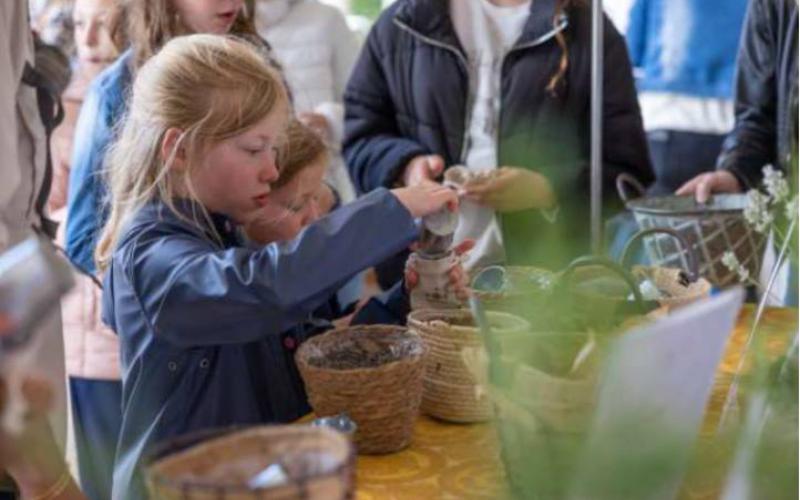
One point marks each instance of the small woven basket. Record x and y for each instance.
(711, 230)
(451, 391)
(319, 463)
(674, 293)
(372, 373)
(677, 287)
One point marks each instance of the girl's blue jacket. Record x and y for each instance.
(203, 324)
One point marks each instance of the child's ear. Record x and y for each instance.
(173, 149)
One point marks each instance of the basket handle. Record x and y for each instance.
(609, 264)
(691, 257)
(623, 181)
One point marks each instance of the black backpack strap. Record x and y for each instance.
(51, 112)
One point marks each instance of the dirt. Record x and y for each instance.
(362, 354)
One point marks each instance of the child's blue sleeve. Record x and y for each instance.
(86, 185)
(194, 295)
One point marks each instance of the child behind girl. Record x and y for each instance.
(192, 306)
(299, 196)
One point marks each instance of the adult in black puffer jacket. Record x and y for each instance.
(408, 96)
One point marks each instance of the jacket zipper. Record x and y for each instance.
(465, 64)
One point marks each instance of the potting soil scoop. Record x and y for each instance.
(433, 261)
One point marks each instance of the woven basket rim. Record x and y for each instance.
(512, 321)
(302, 359)
(159, 480)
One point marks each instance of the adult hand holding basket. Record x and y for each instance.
(710, 230)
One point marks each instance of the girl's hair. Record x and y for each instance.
(558, 78)
(149, 24)
(209, 87)
(301, 148)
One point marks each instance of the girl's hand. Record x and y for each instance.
(458, 277)
(426, 199)
(512, 189)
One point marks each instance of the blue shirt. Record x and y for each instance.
(686, 46)
(200, 321)
(102, 109)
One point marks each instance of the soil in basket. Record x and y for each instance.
(363, 354)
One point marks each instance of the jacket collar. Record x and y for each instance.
(188, 211)
(431, 19)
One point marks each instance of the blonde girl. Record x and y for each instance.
(198, 314)
(147, 25)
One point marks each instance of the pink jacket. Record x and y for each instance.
(91, 348)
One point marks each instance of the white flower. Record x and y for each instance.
(730, 261)
(791, 209)
(776, 184)
(757, 212)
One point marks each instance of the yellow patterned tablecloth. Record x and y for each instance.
(463, 461)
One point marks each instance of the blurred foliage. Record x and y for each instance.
(367, 8)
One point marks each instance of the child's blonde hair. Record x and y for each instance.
(210, 87)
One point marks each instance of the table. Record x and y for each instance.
(463, 461)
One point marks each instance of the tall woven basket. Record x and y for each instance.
(319, 463)
(372, 373)
(711, 229)
(451, 391)
(542, 422)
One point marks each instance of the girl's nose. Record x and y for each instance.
(269, 171)
(92, 33)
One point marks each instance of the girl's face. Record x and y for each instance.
(289, 208)
(233, 177)
(208, 16)
(92, 35)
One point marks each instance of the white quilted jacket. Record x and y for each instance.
(317, 51)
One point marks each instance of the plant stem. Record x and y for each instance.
(762, 304)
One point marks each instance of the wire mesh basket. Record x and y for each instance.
(711, 229)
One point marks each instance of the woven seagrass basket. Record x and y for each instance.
(677, 287)
(542, 421)
(372, 373)
(451, 391)
(218, 465)
(711, 229)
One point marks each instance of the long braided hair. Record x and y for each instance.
(557, 81)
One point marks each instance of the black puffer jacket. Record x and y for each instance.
(409, 95)
(766, 93)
